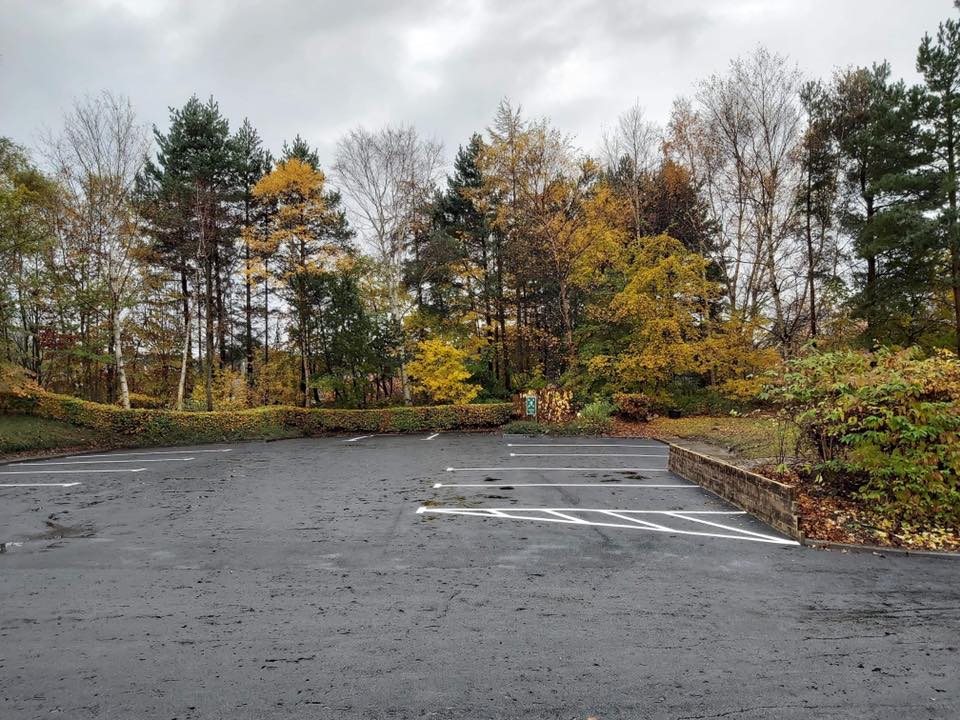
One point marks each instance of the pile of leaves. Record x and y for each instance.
(824, 516)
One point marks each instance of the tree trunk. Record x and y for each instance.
(266, 314)
(405, 382)
(185, 291)
(121, 372)
(221, 310)
(567, 321)
(811, 259)
(184, 358)
(208, 374)
(248, 313)
(304, 366)
(112, 367)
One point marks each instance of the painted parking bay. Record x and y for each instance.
(622, 486)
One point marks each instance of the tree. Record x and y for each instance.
(26, 229)
(388, 176)
(939, 63)
(301, 243)
(631, 152)
(753, 120)
(817, 193)
(438, 369)
(659, 307)
(886, 194)
(250, 163)
(96, 160)
(186, 189)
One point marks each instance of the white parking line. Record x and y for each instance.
(96, 462)
(150, 452)
(660, 455)
(74, 472)
(570, 516)
(596, 485)
(683, 516)
(362, 437)
(3, 485)
(557, 469)
(433, 436)
(599, 510)
(648, 445)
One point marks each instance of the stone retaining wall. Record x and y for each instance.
(772, 502)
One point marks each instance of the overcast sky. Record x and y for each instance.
(319, 68)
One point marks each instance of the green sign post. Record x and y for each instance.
(530, 402)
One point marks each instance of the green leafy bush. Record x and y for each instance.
(885, 425)
(594, 419)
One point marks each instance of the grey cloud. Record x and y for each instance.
(319, 68)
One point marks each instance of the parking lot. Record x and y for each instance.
(444, 576)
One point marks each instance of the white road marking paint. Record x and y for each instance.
(559, 469)
(683, 516)
(562, 515)
(602, 510)
(649, 445)
(362, 437)
(596, 485)
(96, 462)
(73, 472)
(151, 452)
(642, 523)
(3, 485)
(587, 455)
(433, 436)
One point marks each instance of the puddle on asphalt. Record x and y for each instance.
(56, 531)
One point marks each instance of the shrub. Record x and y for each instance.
(594, 419)
(634, 406)
(525, 427)
(886, 423)
(146, 402)
(167, 427)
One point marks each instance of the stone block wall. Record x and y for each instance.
(772, 502)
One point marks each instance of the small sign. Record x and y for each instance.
(530, 402)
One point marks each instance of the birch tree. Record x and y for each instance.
(96, 159)
(387, 177)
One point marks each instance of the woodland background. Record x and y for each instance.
(190, 267)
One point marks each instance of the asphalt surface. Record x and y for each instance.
(321, 578)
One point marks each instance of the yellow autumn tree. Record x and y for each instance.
(661, 307)
(298, 243)
(439, 370)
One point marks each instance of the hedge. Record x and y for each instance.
(169, 427)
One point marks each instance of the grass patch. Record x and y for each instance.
(749, 438)
(20, 433)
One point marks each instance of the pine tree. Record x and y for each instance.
(250, 163)
(187, 187)
(886, 196)
(938, 60)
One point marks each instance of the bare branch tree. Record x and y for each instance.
(96, 158)
(633, 149)
(387, 176)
